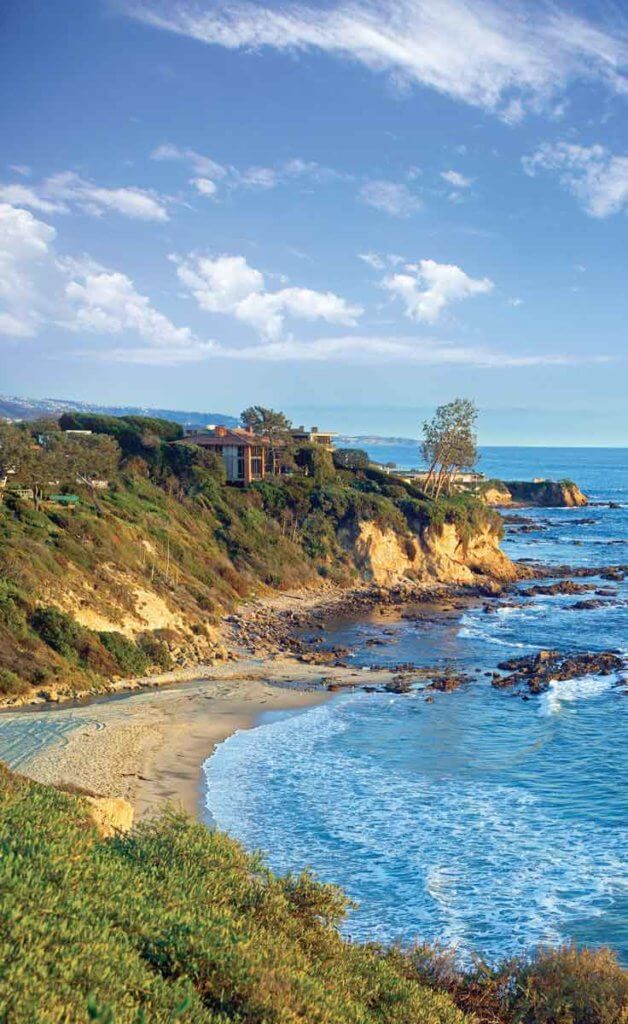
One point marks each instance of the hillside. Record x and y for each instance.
(14, 408)
(174, 921)
(137, 575)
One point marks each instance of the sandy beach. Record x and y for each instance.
(149, 746)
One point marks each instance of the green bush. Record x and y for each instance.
(156, 651)
(11, 685)
(131, 659)
(57, 629)
(351, 458)
(176, 919)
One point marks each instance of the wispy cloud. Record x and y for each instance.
(390, 197)
(350, 349)
(210, 174)
(504, 57)
(66, 191)
(597, 177)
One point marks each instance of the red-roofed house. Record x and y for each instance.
(247, 457)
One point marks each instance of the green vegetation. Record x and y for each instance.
(449, 444)
(177, 922)
(169, 527)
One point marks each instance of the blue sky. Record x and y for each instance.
(349, 210)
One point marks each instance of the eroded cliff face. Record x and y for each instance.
(438, 554)
(544, 493)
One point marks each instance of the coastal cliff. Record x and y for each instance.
(435, 553)
(136, 578)
(542, 493)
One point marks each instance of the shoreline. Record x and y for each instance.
(149, 747)
(146, 740)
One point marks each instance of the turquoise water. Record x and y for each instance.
(480, 820)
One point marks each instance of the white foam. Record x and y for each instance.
(568, 691)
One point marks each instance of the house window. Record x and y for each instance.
(257, 462)
(233, 458)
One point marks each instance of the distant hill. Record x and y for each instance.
(31, 408)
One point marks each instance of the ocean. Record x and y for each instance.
(480, 820)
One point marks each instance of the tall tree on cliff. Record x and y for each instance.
(449, 444)
(271, 424)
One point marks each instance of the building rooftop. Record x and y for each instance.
(220, 436)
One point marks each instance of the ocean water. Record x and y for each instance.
(480, 820)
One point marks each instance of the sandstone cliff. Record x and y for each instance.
(436, 553)
(544, 493)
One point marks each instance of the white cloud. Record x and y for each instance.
(39, 288)
(515, 302)
(107, 302)
(427, 288)
(203, 165)
(498, 56)
(209, 171)
(379, 261)
(392, 198)
(22, 195)
(353, 349)
(456, 179)
(25, 255)
(227, 284)
(598, 178)
(67, 190)
(205, 186)
(372, 259)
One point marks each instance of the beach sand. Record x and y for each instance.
(149, 747)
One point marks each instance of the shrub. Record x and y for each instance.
(57, 629)
(155, 650)
(129, 658)
(315, 461)
(176, 922)
(566, 985)
(11, 685)
(351, 458)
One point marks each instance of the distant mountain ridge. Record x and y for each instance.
(14, 408)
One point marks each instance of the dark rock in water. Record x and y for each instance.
(614, 504)
(398, 684)
(585, 606)
(538, 670)
(562, 587)
(447, 683)
(615, 575)
(606, 592)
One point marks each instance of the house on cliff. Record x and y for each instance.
(247, 456)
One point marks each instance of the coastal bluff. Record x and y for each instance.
(443, 554)
(541, 493)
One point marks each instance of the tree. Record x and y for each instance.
(13, 445)
(275, 426)
(351, 458)
(449, 443)
(86, 458)
(315, 462)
